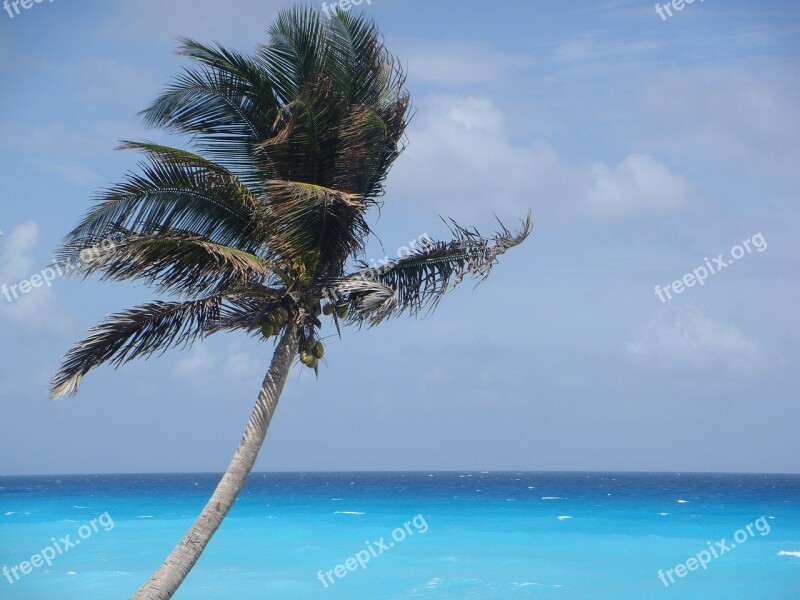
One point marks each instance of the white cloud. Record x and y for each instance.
(638, 184)
(685, 338)
(37, 309)
(461, 158)
(16, 256)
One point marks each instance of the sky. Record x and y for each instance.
(649, 150)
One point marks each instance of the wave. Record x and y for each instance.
(562, 517)
(348, 512)
(552, 498)
(789, 553)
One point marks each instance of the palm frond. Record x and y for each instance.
(371, 130)
(205, 200)
(141, 331)
(174, 262)
(421, 279)
(304, 217)
(369, 143)
(299, 151)
(370, 301)
(297, 51)
(248, 307)
(365, 72)
(171, 155)
(227, 104)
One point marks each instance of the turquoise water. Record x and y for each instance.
(445, 535)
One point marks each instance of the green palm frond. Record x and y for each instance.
(171, 155)
(298, 49)
(421, 279)
(141, 331)
(209, 202)
(173, 262)
(227, 104)
(305, 217)
(366, 71)
(300, 149)
(247, 309)
(371, 132)
(369, 142)
(344, 103)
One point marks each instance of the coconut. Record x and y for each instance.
(328, 309)
(341, 311)
(313, 364)
(318, 350)
(267, 329)
(305, 280)
(306, 358)
(283, 314)
(308, 345)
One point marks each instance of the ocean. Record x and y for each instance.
(495, 535)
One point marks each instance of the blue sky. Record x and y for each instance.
(643, 147)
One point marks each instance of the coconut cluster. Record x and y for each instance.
(274, 322)
(311, 353)
(311, 349)
(340, 309)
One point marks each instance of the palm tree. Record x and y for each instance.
(261, 227)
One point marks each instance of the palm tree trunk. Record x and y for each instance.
(165, 582)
